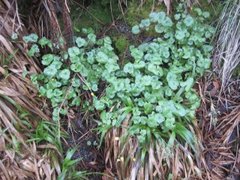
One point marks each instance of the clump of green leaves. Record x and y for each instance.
(67, 74)
(121, 44)
(69, 168)
(156, 86)
(47, 132)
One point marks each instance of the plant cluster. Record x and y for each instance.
(67, 74)
(46, 132)
(154, 89)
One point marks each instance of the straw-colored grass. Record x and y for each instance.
(227, 48)
(123, 157)
(20, 107)
(220, 123)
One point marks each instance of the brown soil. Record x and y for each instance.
(84, 138)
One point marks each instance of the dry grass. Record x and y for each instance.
(227, 48)
(220, 123)
(44, 20)
(19, 159)
(220, 110)
(123, 158)
(220, 115)
(13, 83)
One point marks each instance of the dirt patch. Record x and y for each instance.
(84, 138)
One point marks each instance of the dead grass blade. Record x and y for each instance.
(220, 140)
(124, 159)
(14, 84)
(19, 159)
(227, 46)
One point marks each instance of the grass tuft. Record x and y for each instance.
(227, 48)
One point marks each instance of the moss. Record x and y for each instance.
(137, 11)
(121, 43)
(214, 8)
(94, 16)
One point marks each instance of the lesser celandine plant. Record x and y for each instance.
(156, 85)
(154, 88)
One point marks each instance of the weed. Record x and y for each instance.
(68, 168)
(155, 87)
(46, 132)
(153, 91)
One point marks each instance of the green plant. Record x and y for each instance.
(154, 89)
(68, 168)
(46, 132)
(67, 77)
(68, 74)
(156, 86)
(121, 44)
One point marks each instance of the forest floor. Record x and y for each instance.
(217, 124)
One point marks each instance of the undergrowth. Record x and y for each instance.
(46, 132)
(153, 89)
